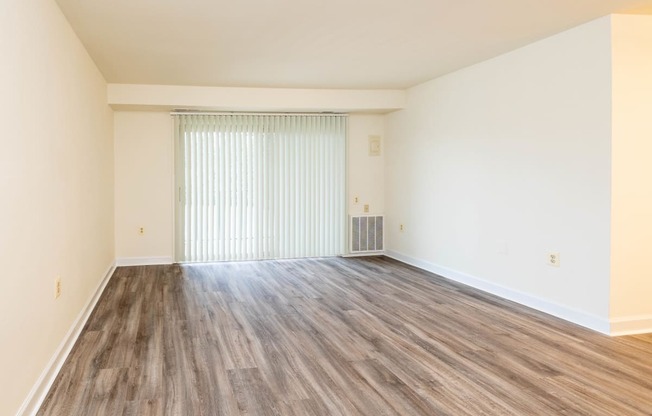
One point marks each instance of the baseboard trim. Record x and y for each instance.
(577, 317)
(143, 261)
(631, 325)
(42, 386)
(365, 254)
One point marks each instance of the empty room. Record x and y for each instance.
(431, 207)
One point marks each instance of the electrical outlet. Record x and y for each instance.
(553, 259)
(141, 230)
(57, 287)
(401, 227)
(366, 208)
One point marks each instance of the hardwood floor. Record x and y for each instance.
(367, 336)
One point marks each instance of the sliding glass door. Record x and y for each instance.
(254, 186)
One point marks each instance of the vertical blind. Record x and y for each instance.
(254, 186)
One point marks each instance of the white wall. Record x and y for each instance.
(144, 181)
(366, 179)
(492, 166)
(631, 227)
(56, 181)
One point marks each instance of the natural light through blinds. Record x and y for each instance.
(257, 186)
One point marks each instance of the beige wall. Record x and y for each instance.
(144, 181)
(366, 180)
(132, 97)
(631, 216)
(493, 166)
(56, 181)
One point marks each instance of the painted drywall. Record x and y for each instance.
(144, 182)
(631, 215)
(144, 173)
(366, 180)
(167, 97)
(56, 181)
(493, 166)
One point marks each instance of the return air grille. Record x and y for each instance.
(366, 233)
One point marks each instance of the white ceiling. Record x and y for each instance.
(313, 44)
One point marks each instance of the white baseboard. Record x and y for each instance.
(36, 396)
(365, 254)
(569, 314)
(142, 261)
(631, 325)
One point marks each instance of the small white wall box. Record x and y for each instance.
(374, 145)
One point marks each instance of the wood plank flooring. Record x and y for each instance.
(366, 336)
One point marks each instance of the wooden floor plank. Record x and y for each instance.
(336, 336)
